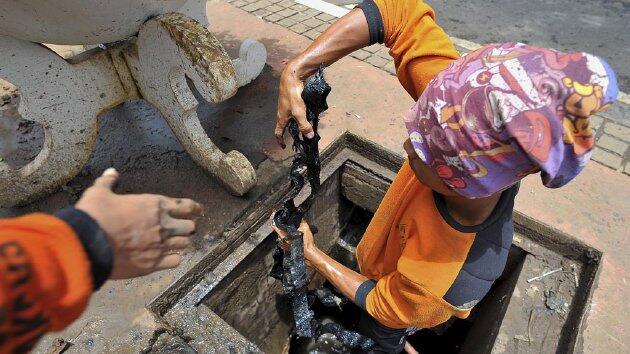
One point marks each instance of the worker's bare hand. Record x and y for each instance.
(285, 242)
(290, 103)
(147, 232)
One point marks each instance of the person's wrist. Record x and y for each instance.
(311, 252)
(299, 68)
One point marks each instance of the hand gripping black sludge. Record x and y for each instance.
(293, 269)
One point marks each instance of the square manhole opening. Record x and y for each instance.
(538, 305)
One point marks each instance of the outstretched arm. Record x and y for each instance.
(51, 264)
(343, 37)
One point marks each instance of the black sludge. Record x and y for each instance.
(293, 269)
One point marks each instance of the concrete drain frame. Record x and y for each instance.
(227, 303)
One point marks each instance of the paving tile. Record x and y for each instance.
(239, 3)
(326, 17)
(596, 122)
(273, 18)
(312, 22)
(390, 67)
(324, 26)
(612, 144)
(361, 54)
(261, 13)
(312, 12)
(626, 168)
(275, 8)
(617, 130)
(299, 17)
(299, 28)
(263, 3)
(377, 61)
(286, 3)
(312, 34)
(252, 7)
(287, 22)
(373, 48)
(384, 53)
(606, 158)
(287, 12)
(299, 7)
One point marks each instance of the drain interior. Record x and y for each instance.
(235, 294)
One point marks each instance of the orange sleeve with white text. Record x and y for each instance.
(45, 279)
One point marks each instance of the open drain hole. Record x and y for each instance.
(237, 295)
(21, 140)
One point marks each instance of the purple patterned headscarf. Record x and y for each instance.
(508, 110)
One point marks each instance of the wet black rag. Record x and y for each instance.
(289, 266)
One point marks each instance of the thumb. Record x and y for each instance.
(107, 179)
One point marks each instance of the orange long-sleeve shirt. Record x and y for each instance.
(425, 267)
(420, 48)
(47, 274)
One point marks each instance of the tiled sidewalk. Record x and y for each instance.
(612, 128)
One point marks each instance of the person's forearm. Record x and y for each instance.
(346, 35)
(344, 279)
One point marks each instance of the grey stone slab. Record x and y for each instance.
(326, 17)
(299, 28)
(618, 112)
(312, 22)
(612, 144)
(377, 61)
(361, 54)
(312, 34)
(273, 18)
(606, 158)
(617, 130)
(287, 22)
(287, 12)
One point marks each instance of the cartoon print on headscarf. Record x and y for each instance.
(584, 100)
(508, 110)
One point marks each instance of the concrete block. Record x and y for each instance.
(275, 8)
(173, 48)
(377, 61)
(596, 122)
(287, 12)
(617, 130)
(612, 144)
(300, 17)
(361, 54)
(390, 67)
(326, 17)
(373, 48)
(81, 92)
(606, 158)
(287, 22)
(312, 34)
(299, 7)
(299, 28)
(312, 22)
(273, 18)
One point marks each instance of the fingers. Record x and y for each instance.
(177, 243)
(279, 132)
(176, 227)
(107, 179)
(169, 261)
(182, 208)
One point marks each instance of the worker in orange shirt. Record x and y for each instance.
(51, 264)
(480, 123)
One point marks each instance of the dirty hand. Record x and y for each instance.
(290, 103)
(285, 242)
(146, 231)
